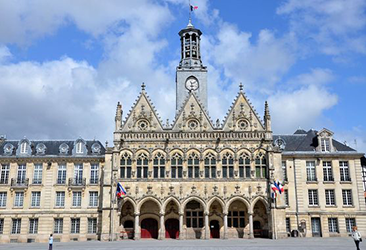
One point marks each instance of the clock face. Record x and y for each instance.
(192, 83)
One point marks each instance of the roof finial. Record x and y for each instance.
(241, 87)
(143, 86)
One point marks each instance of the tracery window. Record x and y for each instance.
(142, 166)
(244, 166)
(176, 166)
(210, 166)
(261, 166)
(227, 166)
(159, 166)
(126, 166)
(193, 166)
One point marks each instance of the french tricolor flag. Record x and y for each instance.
(193, 7)
(120, 191)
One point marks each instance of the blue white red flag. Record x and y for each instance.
(120, 191)
(277, 187)
(193, 7)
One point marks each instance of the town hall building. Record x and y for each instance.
(191, 179)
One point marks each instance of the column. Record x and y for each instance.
(251, 231)
(137, 226)
(162, 227)
(207, 228)
(225, 226)
(181, 226)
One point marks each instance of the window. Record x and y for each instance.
(350, 223)
(344, 171)
(3, 197)
(1, 226)
(244, 166)
(310, 171)
(37, 174)
(33, 226)
(19, 198)
(327, 171)
(313, 197)
(36, 199)
(78, 174)
(75, 225)
(286, 197)
(21, 174)
(210, 166)
(79, 148)
(193, 166)
(176, 166)
(288, 225)
(142, 166)
(284, 171)
(4, 174)
(333, 225)
(325, 144)
(329, 197)
(60, 199)
(227, 166)
(76, 199)
(364, 177)
(93, 199)
(94, 173)
(194, 219)
(92, 225)
(260, 166)
(61, 174)
(126, 165)
(347, 197)
(236, 219)
(159, 166)
(58, 226)
(24, 148)
(16, 225)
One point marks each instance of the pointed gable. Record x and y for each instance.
(242, 116)
(192, 117)
(142, 117)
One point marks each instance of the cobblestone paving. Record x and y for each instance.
(255, 244)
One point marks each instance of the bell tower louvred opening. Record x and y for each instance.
(191, 75)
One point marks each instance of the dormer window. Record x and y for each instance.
(24, 148)
(79, 148)
(325, 144)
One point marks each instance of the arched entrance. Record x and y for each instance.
(260, 220)
(194, 220)
(172, 229)
(126, 228)
(215, 229)
(149, 229)
(238, 220)
(216, 219)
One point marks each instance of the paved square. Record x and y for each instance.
(256, 244)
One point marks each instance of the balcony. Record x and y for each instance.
(19, 183)
(77, 182)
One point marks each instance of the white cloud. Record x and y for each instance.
(5, 54)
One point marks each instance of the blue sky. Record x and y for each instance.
(64, 65)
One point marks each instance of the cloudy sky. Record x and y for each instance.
(64, 65)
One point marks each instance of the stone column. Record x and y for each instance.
(207, 227)
(162, 226)
(137, 226)
(251, 231)
(225, 226)
(181, 226)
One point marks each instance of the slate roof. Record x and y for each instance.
(52, 147)
(307, 141)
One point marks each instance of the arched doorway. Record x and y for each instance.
(149, 229)
(216, 221)
(126, 223)
(193, 213)
(215, 229)
(128, 226)
(260, 220)
(237, 220)
(172, 229)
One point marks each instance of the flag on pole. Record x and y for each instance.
(277, 187)
(120, 191)
(193, 7)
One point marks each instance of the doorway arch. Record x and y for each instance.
(149, 228)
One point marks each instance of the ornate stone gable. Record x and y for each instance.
(192, 117)
(143, 116)
(242, 116)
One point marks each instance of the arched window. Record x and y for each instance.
(244, 166)
(142, 166)
(260, 166)
(126, 166)
(193, 166)
(210, 166)
(176, 166)
(159, 166)
(227, 166)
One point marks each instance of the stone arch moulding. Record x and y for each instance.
(238, 198)
(168, 200)
(263, 200)
(212, 200)
(193, 198)
(148, 198)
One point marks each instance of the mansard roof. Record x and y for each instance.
(307, 141)
(52, 147)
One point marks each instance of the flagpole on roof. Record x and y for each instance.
(190, 11)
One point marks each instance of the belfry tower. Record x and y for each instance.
(191, 75)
